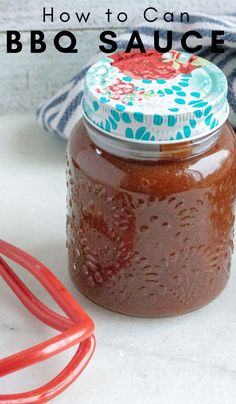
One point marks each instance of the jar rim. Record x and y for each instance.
(154, 142)
(149, 151)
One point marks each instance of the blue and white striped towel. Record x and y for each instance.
(59, 114)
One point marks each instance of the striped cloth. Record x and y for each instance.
(59, 114)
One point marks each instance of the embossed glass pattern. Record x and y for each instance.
(151, 238)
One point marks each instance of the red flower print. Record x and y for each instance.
(121, 88)
(151, 65)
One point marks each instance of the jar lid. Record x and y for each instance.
(155, 97)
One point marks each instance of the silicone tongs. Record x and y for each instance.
(76, 328)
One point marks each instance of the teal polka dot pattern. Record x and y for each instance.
(198, 113)
(195, 94)
(95, 106)
(107, 126)
(200, 104)
(127, 79)
(140, 134)
(170, 106)
(138, 116)
(187, 131)
(161, 93)
(120, 107)
(192, 123)
(207, 111)
(174, 109)
(179, 101)
(172, 120)
(183, 84)
(176, 88)
(179, 136)
(158, 120)
(125, 117)
(115, 115)
(104, 100)
(181, 93)
(114, 124)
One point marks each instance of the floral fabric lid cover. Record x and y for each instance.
(155, 97)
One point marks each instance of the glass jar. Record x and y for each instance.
(150, 221)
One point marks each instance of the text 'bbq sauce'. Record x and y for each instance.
(152, 184)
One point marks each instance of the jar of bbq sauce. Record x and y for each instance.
(152, 184)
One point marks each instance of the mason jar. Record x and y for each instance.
(152, 184)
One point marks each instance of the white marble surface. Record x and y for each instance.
(185, 360)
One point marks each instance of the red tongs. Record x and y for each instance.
(75, 328)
